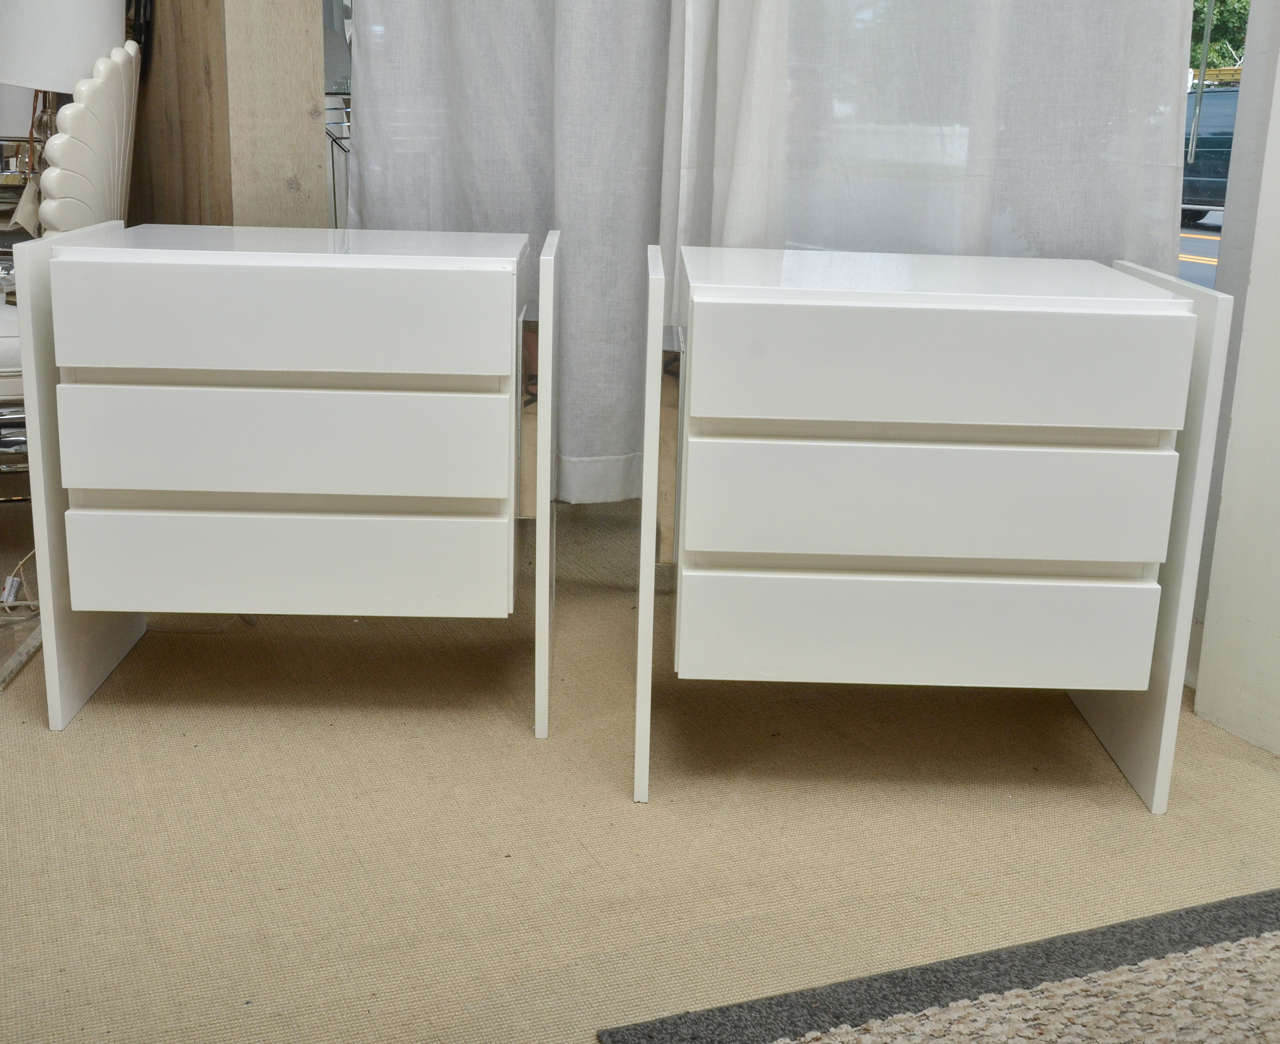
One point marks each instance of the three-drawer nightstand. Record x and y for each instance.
(933, 470)
(276, 421)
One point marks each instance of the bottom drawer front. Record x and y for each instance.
(224, 562)
(916, 630)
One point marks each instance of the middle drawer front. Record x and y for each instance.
(285, 440)
(288, 562)
(794, 496)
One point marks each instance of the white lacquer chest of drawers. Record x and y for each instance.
(932, 470)
(274, 421)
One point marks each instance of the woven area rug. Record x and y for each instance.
(1207, 973)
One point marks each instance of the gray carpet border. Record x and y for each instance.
(914, 989)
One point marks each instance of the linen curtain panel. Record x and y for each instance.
(942, 126)
(519, 116)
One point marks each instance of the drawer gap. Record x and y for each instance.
(284, 503)
(331, 380)
(979, 568)
(951, 434)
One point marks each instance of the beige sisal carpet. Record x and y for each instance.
(336, 830)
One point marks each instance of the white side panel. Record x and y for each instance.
(648, 521)
(80, 649)
(545, 550)
(1139, 730)
(372, 565)
(939, 500)
(940, 365)
(279, 440)
(882, 629)
(317, 317)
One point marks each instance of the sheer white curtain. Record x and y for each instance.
(522, 115)
(941, 126)
(958, 126)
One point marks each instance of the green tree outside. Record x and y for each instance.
(1227, 43)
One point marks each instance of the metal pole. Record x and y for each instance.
(1204, 65)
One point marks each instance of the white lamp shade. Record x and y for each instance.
(51, 45)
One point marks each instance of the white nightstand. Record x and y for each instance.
(275, 421)
(932, 470)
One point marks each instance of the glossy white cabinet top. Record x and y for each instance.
(731, 273)
(211, 244)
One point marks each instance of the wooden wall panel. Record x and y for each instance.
(275, 82)
(231, 116)
(182, 154)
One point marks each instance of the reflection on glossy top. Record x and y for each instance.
(480, 246)
(788, 273)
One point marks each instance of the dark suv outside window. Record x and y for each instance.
(1204, 182)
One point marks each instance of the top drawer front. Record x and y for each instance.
(834, 362)
(283, 317)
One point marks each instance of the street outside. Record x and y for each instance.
(1198, 250)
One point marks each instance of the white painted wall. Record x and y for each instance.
(1238, 685)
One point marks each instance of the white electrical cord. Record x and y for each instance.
(22, 586)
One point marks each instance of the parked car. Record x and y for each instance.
(1204, 182)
